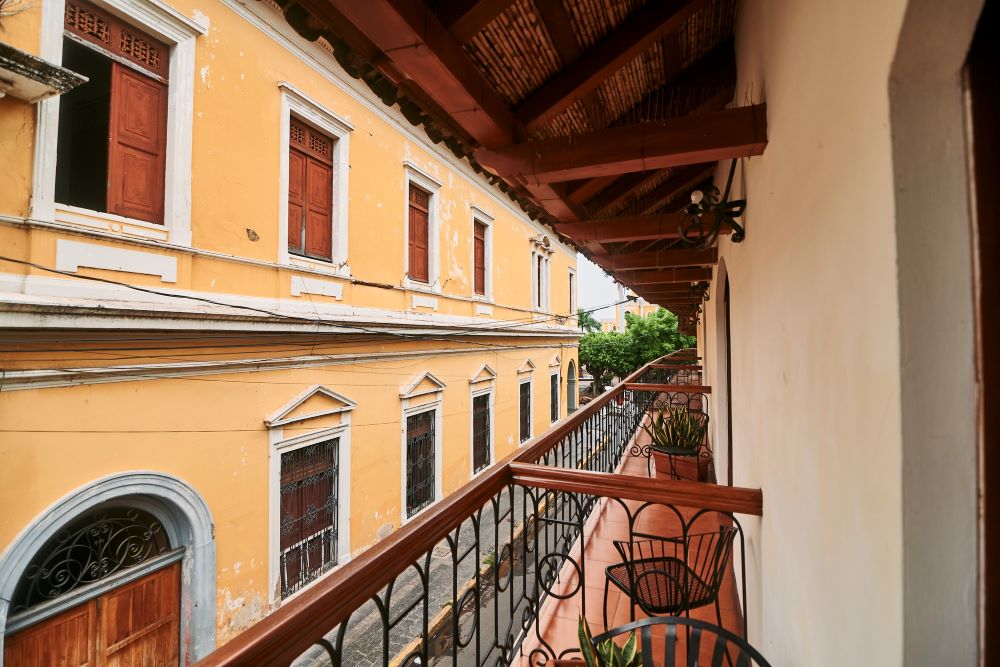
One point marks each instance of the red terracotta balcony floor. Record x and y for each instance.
(558, 621)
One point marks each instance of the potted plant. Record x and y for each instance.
(676, 436)
(607, 653)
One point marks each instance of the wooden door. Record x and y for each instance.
(135, 624)
(137, 146)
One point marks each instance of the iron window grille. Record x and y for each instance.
(420, 463)
(554, 397)
(309, 504)
(480, 432)
(525, 410)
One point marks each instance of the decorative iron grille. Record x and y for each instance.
(554, 397)
(419, 461)
(87, 550)
(309, 506)
(480, 432)
(525, 414)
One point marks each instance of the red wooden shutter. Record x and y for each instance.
(479, 253)
(419, 233)
(137, 147)
(296, 200)
(310, 192)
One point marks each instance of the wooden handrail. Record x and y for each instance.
(677, 367)
(735, 499)
(290, 630)
(668, 388)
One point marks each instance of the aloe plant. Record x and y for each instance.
(676, 429)
(607, 653)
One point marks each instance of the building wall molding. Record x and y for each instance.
(39, 301)
(71, 255)
(187, 520)
(68, 377)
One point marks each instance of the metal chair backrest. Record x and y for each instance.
(704, 554)
(704, 644)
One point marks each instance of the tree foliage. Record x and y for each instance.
(609, 354)
(587, 321)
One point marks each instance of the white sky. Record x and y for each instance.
(596, 288)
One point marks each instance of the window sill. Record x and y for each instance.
(417, 286)
(333, 269)
(116, 224)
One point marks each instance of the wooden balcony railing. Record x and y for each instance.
(464, 582)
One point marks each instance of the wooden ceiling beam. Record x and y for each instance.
(635, 35)
(687, 140)
(662, 277)
(626, 228)
(421, 49)
(589, 188)
(466, 18)
(664, 259)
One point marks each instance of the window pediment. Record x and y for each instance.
(421, 386)
(484, 374)
(317, 401)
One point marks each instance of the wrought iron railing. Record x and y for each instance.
(464, 582)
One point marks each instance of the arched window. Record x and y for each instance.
(571, 387)
(94, 546)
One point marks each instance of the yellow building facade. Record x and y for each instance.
(191, 366)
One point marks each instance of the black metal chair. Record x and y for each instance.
(697, 646)
(671, 575)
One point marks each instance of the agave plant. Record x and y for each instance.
(607, 653)
(676, 430)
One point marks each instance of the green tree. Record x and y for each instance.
(613, 353)
(606, 354)
(587, 321)
(654, 335)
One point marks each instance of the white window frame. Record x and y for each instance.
(483, 382)
(484, 218)
(573, 287)
(409, 411)
(279, 446)
(177, 31)
(295, 103)
(425, 182)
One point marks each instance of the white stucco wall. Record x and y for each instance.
(852, 367)
(816, 413)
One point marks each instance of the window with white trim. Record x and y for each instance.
(106, 148)
(541, 254)
(314, 182)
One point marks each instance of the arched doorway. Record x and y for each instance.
(571, 392)
(120, 570)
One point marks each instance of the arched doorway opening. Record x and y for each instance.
(118, 570)
(571, 391)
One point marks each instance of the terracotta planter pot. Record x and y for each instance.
(691, 468)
